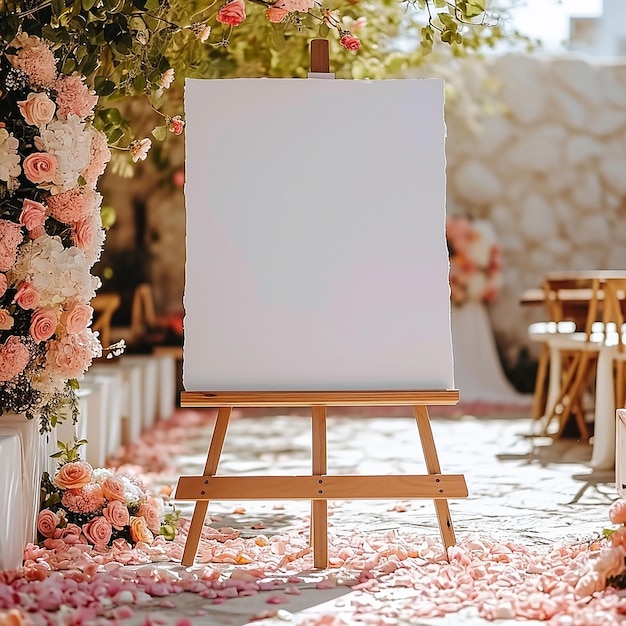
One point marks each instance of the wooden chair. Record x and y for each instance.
(559, 321)
(104, 306)
(575, 354)
(614, 299)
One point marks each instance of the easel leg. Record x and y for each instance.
(319, 508)
(433, 467)
(210, 469)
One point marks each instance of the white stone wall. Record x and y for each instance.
(548, 170)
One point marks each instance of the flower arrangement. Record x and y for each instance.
(83, 505)
(50, 231)
(608, 569)
(475, 261)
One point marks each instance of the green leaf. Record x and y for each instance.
(90, 65)
(87, 4)
(115, 135)
(114, 116)
(139, 83)
(448, 21)
(104, 87)
(324, 30)
(160, 133)
(58, 7)
(69, 66)
(112, 31)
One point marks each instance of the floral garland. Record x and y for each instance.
(475, 261)
(50, 232)
(100, 507)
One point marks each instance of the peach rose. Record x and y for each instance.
(232, 13)
(151, 514)
(73, 475)
(47, 522)
(43, 324)
(98, 531)
(617, 512)
(276, 14)
(139, 530)
(37, 232)
(6, 321)
(40, 167)
(116, 513)
(3, 284)
(37, 109)
(71, 534)
(27, 296)
(12, 617)
(33, 214)
(77, 318)
(350, 42)
(113, 489)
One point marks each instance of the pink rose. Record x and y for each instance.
(3, 284)
(27, 296)
(73, 475)
(77, 318)
(176, 125)
(113, 489)
(43, 324)
(40, 167)
(232, 13)
(37, 109)
(617, 512)
(350, 42)
(116, 513)
(98, 531)
(151, 514)
(82, 233)
(139, 530)
(276, 14)
(33, 214)
(47, 522)
(6, 320)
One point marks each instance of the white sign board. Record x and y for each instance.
(316, 254)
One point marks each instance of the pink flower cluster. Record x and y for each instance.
(115, 505)
(475, 263)
(51, 234)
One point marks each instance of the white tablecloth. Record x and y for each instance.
(12, 504)
(477, 368)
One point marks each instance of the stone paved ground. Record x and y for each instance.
(534, 492)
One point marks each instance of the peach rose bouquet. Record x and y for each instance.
(51, 233)
(475, 265)
(99, 506)
(607, 567)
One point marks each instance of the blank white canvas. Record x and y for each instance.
(316, 255)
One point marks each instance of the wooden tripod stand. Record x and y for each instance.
(319, 487)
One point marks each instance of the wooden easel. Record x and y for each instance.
(319, 487)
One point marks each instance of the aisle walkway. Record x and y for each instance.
(534, 495)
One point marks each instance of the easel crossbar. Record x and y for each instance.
(346, 487)
(196, 399)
